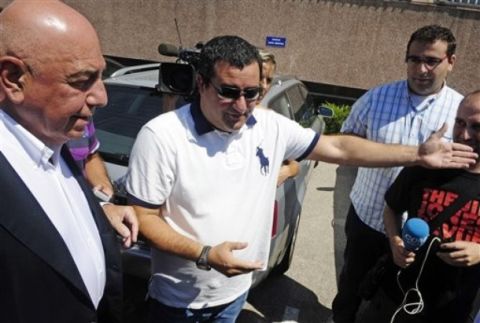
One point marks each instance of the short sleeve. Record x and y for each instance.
(151, 170)
(299, 141)
(356, 122)
(397, 195)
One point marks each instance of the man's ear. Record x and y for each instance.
(12, 79)
(451, 60)
(200, 83)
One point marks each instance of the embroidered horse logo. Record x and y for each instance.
(264, 163)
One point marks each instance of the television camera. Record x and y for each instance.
(179, 77)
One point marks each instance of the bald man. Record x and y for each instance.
(59, 257)
(447, 278)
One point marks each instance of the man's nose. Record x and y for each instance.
(464, 134)
(97, 96)
(240, 105)
(423, 68)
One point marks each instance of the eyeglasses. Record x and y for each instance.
(430, 62)
(232, 93)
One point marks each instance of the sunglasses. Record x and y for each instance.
(430, 62)
(232, 93)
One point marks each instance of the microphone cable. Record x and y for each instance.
(413, 308)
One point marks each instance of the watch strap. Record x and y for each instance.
(202, 261)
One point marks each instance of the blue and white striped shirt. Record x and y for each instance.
(392, 114)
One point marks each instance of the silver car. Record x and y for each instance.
(134, 100)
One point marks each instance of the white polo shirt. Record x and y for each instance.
(217, 187)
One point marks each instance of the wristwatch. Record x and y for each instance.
(202, 261)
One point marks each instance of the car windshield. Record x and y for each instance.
(128, 109)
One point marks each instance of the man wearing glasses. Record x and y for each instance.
(403, 112)
(202, 180)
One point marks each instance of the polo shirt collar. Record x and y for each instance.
(202, 125)
(251, 121)
(38, 152)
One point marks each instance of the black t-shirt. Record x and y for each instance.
(424, 193)
(448, 291)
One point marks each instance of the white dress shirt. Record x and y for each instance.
(52, 184)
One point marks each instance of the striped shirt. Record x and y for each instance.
(392, 114)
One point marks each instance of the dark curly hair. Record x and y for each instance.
(234, 50)
(432, 33)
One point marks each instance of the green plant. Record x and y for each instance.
(340, 113)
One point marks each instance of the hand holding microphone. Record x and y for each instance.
(414, 234)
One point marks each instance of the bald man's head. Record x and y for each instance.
(467, 124)
(50, 69)
(33, 30)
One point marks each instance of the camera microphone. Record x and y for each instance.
(414, 234)
(168, 50)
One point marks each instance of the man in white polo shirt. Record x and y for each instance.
(203, 178)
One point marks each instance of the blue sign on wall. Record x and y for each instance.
(273, 41)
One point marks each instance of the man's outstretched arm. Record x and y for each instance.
(353, 150)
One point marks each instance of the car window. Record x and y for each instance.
(112, 66)
(128, 109)
(281, 105)
(307, 116)
(296, 95)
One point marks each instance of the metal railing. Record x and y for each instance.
(462, 2)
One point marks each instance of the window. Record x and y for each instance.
(467, 2)
(297, 95)
(128, 109)
(281, 105)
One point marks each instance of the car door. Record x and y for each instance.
(289, 100)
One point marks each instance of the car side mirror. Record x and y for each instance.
(324, 111)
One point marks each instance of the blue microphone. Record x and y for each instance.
(414, 234)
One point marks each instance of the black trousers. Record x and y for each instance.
(382, 308)
(364, 247)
